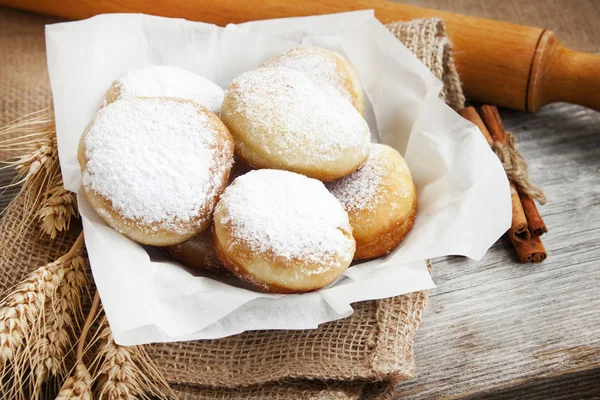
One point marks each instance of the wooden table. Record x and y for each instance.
(500, 329)
(494, 328)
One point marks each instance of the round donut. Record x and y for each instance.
(282, 232)
(282, 119)
(381, 201)
(197, 253)
(153, 168)
(326, 67)
(164, 81)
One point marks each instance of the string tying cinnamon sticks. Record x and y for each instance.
(516, 168)
(527, 224)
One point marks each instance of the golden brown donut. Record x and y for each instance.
(282, 119)
(282, 232)
(198, 253)
(153, 168)
(327, 67)
(165, 81)
(381, 201)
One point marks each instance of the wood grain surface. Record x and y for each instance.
(500, 327)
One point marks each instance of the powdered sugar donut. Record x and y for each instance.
(282, 231)
(198, 253)
(326, 67)
(153, 168)
(164, 81)
(281, 118)
(381, 201)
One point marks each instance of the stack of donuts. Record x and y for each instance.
(273, 180)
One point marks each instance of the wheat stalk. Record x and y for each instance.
(59, 328)
(38, 171)
(43, 155)
(57, 209)
(119, 372)
(22, 309)
(23, 315)
(78, 386)
(34, 136)
(127, 372)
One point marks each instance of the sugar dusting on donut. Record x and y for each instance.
(165, 81)
(315, 63)
(154, 159)
(288, 214)
(362, 189)
(302, 114)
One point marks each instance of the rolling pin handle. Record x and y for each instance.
(561, 74)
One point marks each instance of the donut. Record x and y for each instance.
(326, 67)
(164, 81)
(197, 253)
(153, 167)
(282, 119)
(381, 201)
(282, 232)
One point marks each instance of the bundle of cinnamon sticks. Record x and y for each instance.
(527, 224)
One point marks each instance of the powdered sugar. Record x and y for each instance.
(360, 189)
(299, 116)
(316, 63)
(293, 216)
(155, 160)
(167, 81)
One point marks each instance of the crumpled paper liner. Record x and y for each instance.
(361, 357)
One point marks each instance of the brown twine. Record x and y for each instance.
(516, 168)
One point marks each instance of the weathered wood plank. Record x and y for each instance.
(497, 323)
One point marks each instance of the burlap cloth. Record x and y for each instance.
(361, 357)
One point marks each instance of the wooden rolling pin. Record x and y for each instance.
(515, 66)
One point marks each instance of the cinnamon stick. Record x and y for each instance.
(491, 118)
(535, 223)
(519, 225)
(519, 228)
(531, 250)
(470, 113)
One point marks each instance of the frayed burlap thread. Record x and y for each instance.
(361, 357)
(427, 39)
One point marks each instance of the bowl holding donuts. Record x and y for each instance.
(273, 180)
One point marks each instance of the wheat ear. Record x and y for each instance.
(43, 194)
(57, 208)
(61, 324)
(79, 385)
(127, 372)
(23, 317)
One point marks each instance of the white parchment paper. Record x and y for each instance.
(149, 299)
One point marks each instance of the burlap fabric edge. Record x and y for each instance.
(360, 357)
